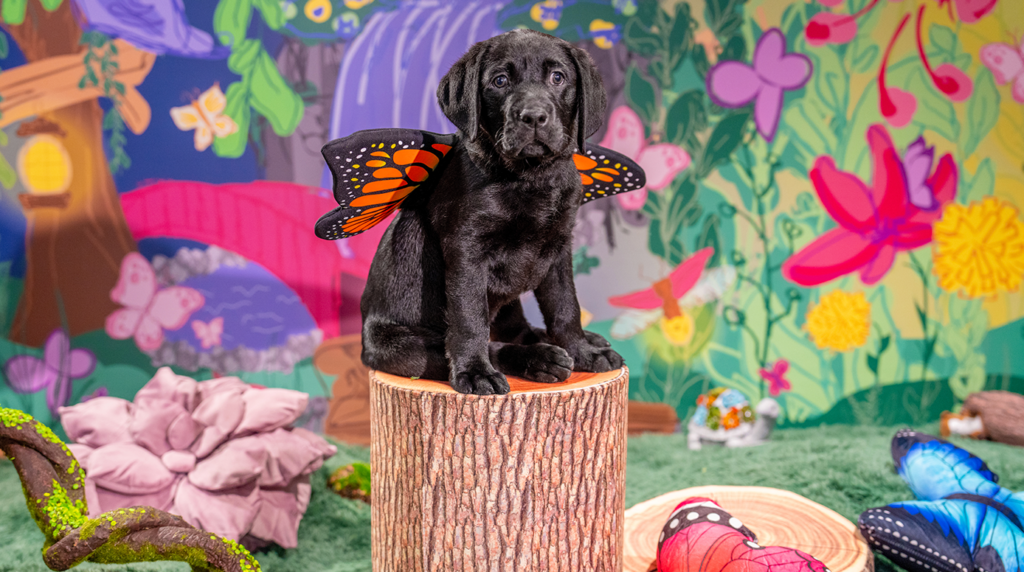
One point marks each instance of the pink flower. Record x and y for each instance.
(219, 453)
(776, 377)
(661, 162)
(949, 79)
(831, 3)
(874, 223)
(898, 106)
(828, 28)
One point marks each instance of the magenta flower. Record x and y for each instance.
(877, 222)
(776, 377)
(949, 79)
(219, 453)
(896, 105)
(828, 28)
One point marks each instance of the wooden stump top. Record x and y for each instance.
(777, 517)
(578, 380)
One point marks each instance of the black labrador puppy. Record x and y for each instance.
(442, 296)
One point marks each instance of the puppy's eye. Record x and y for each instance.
(557, 78)
(500, 81)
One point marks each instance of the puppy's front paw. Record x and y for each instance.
(480, 380)
(592, 358)
(544, 363)
(596, 339)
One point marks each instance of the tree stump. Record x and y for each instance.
(768, 513)
(532, 481)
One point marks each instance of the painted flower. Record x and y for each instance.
(773, 72)
(776, 377)
(604, 33)
(979, 248)
(841, 321)
(949, 79)
(219, 453)
(828, 28)
(679, 329)
(897, 106)
(661, 162)
(731, 420)
(877, 222)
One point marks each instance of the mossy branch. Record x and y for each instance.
(54, 486)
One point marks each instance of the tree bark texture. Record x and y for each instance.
(73, 254)
(532, 481)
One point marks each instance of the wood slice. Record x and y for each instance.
(777, 517)
(531, 481)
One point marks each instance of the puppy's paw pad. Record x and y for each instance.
(480, 382)
(597, 359)
(596, 339)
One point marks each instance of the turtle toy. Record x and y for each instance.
(724, 417)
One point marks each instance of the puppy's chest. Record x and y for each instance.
(520, 251)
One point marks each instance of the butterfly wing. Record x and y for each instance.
(136, 284)
(121, 324)
(1018, 89)
(186, 117)
(686, 275)
(211, 104)
(1004, 60)
(661, 163)
(605, 172)
(83, 362)
(173, 306)
(711, 286)
(949, 535)
(374, 171)
(632, 322)
(935, 468)
(28, 374)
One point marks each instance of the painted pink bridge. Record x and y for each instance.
(268, 222)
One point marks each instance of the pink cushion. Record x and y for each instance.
(288, 456)
(179, 461)
(109, 500)
(219, 413)
(235, 463)
(150, 422)
(268, 409)
(280, 512)
(169, 386)
(81, 453)
(128, 468)
(229, 513)
(98, 422)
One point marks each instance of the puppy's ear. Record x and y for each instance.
(591, 100)
(458, 94)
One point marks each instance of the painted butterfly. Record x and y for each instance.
(963, 521)
(376, 170)
(700, 536)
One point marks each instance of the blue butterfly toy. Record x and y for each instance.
(963, 522)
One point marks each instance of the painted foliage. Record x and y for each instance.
(832, 214)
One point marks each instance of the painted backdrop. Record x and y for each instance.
(833, 214)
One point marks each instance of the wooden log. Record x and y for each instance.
(651, 418)
(768, 513)
(1000, 413)
(531, 481)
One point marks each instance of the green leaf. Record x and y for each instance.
(654, 241)
(231, 21)
(583, 263)
(809, 129)
(724, 17)
(830, 81)
(50, 5)
(710, 235)
(934, 111)
(982, 111)
(686, 118)
(237, 108)
(273, 98)
(700, 60)
(873, 364)
(861, 54)
(13, 11)
(681, 34)
(243, 56)
(639, 40)
(982, 184)
(7, 174)
(883, 343)
(735, 49)
(271, 12)
(4, 46)
(943, 45)
(641, 95)
(724, 139)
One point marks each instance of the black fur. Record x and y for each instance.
(442, 296)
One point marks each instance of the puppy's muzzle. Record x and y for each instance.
(531, 127)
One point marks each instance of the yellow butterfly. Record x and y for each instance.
(206, 116)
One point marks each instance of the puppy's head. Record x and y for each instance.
(526, 94)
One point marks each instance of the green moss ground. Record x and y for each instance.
(846, 468)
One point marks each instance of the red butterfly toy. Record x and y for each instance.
(702, 537)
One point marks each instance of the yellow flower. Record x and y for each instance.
(841, 321)
(979, 248)
(585, 317)
(678, 330)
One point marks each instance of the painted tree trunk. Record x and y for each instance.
(89, 236)
(532, 481)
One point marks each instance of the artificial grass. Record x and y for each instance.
(846, 468)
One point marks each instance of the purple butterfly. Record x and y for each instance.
(735, 84)
(917, 163)
(59, 366)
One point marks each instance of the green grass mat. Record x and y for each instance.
(845, 468)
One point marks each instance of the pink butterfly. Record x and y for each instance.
(777, 382)
(148, 310)
(1007, 64)
(661, 162)
(209, 333)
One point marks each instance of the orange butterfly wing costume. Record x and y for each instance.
(375, 170)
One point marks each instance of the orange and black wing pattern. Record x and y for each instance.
(374, 171)
(605, 173)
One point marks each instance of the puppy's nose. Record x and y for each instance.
(534, 116)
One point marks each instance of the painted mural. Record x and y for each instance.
(833, 213)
